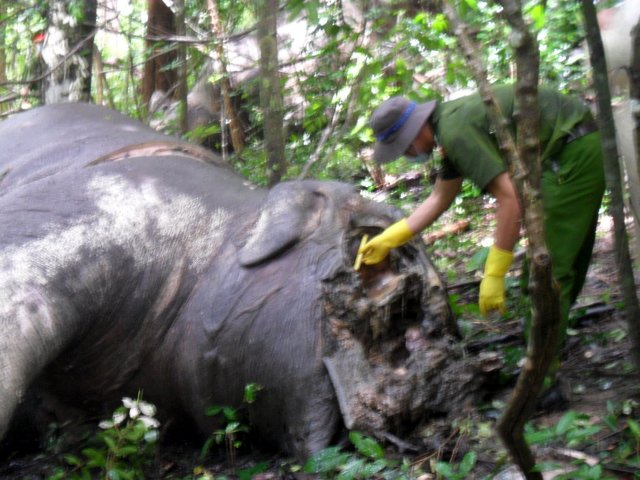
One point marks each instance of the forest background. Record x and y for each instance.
(338, 60)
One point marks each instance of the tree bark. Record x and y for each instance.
(181, 90)
(67, 53)
(612, 171)
(102, 85)
(3, 57)
(271, 99)
(161, 22)
(524, 164)
(87, 28)
(634, 76)
(634, 93)
(237, 134)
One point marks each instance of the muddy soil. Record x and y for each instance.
(594, 375)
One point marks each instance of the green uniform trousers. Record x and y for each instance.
(572, 188)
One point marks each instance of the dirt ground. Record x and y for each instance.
(594, 377)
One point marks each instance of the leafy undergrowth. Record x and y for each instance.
(596, 435)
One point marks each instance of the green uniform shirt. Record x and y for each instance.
(463, 129)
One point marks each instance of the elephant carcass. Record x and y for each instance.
(131, 261)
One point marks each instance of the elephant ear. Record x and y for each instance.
(286, 218)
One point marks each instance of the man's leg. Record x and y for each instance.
(571, 196)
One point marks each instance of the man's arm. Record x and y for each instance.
(508, 216)
(435, 204)
(377, 249)
(508, 211)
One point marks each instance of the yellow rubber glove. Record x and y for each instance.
(377, 249)
(492, 285)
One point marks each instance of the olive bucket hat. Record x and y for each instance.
(396, 123)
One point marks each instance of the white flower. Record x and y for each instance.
(147, 409)
(106, 424)
(119, 417)
(128, 402)
(149, 422)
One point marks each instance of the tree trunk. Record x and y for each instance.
(67, 52)
(634, 93)
(3, 57)
(634, 76)
(101, 84)
(157, 76)
(87, 29)
(612, 174)
(181, 90)
(524, 164)
(229, 112)
(271, 90)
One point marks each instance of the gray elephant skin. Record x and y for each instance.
(131, 261)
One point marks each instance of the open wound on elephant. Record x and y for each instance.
(390, 347)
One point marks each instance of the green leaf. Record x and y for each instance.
(567, 420)
(248, 473)
(72, 460)
(444, 469)
(366, 445)
(617, 334)
(127, 450)
(114, 474)
(58, 473)
(312, 12)
(212, 411)
(135, 433)
(361, 129)
(439, 23)
(420, 19)
(369, 470)
(611, 421)
(540, 437)
(352, 469)
(96, 458)
(231, 414)
(578, 436)
(206, 447)
(477, 261)
(634, 427)
(468, 462)
(232, 427)
(250, 392)
(109, 440)
(326, 461)
(473, 4)
(537, 14)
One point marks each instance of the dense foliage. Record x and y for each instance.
(365, 51)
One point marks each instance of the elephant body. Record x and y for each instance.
(131, 261)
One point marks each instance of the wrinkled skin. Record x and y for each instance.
(131, 261)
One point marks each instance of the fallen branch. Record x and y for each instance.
(450, 229)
